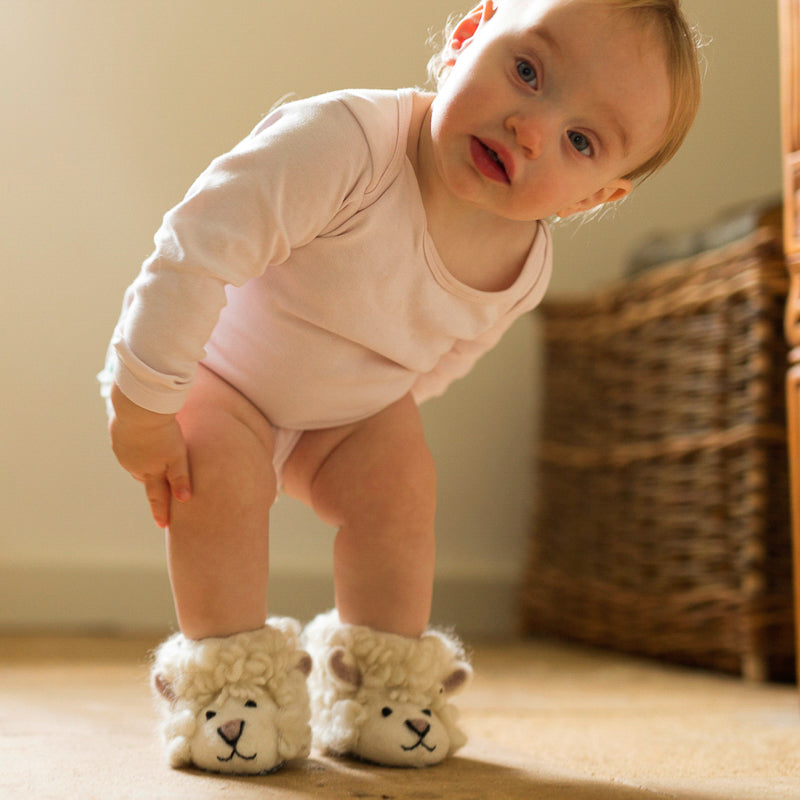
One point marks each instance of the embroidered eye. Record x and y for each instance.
(251, 704)
(527, 72)
(211, 714)
(580, 143)
(386, 711)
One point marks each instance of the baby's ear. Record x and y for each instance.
(466, 29)
(615, 190)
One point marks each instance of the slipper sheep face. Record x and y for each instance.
(237, 736)
(401, 734)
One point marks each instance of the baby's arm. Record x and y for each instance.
(151, 447)
(276, 190)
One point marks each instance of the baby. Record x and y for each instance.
(351, 257)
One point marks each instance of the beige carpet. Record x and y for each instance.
(545, 720)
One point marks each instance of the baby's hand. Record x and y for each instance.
(151, 447)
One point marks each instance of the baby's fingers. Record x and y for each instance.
(178, 479)
(158, 495)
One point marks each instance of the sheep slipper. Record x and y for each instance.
(237, 704)
(383, 698)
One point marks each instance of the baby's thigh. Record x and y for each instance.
(229, 440)
(385, 454)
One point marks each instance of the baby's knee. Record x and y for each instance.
(229, 462)
(406, 492)
(415, 472)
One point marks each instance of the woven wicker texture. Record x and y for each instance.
(663, 506)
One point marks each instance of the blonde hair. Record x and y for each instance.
(682, 44)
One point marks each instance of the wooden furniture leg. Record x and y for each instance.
(793, 433)
(790, 114)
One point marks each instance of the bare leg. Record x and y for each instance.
(376, 481)
(217, 543)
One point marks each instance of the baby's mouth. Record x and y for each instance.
(495, 157)
(489, 161)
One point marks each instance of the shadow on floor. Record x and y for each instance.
(456, 779)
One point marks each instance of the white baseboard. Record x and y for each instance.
(134, 599)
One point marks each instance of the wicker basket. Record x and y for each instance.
(663, 516)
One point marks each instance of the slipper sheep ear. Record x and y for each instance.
(458, 678)
(347, 673)
(164, 688)
(304, 665)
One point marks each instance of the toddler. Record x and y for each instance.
(351, 257)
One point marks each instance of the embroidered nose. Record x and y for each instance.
(231, 731)
(419, 726)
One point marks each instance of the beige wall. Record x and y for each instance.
(109, 110)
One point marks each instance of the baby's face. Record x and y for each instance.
(548, 105)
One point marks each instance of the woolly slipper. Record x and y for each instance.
(381, 697)
(237, 704)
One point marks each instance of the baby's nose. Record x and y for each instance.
(529, 133)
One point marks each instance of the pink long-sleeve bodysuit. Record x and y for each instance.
(301, 262)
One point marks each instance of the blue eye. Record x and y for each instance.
(580, 143)
(527, 72)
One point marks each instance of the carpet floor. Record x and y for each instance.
(546, 721)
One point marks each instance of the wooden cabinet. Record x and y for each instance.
(790, 113)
